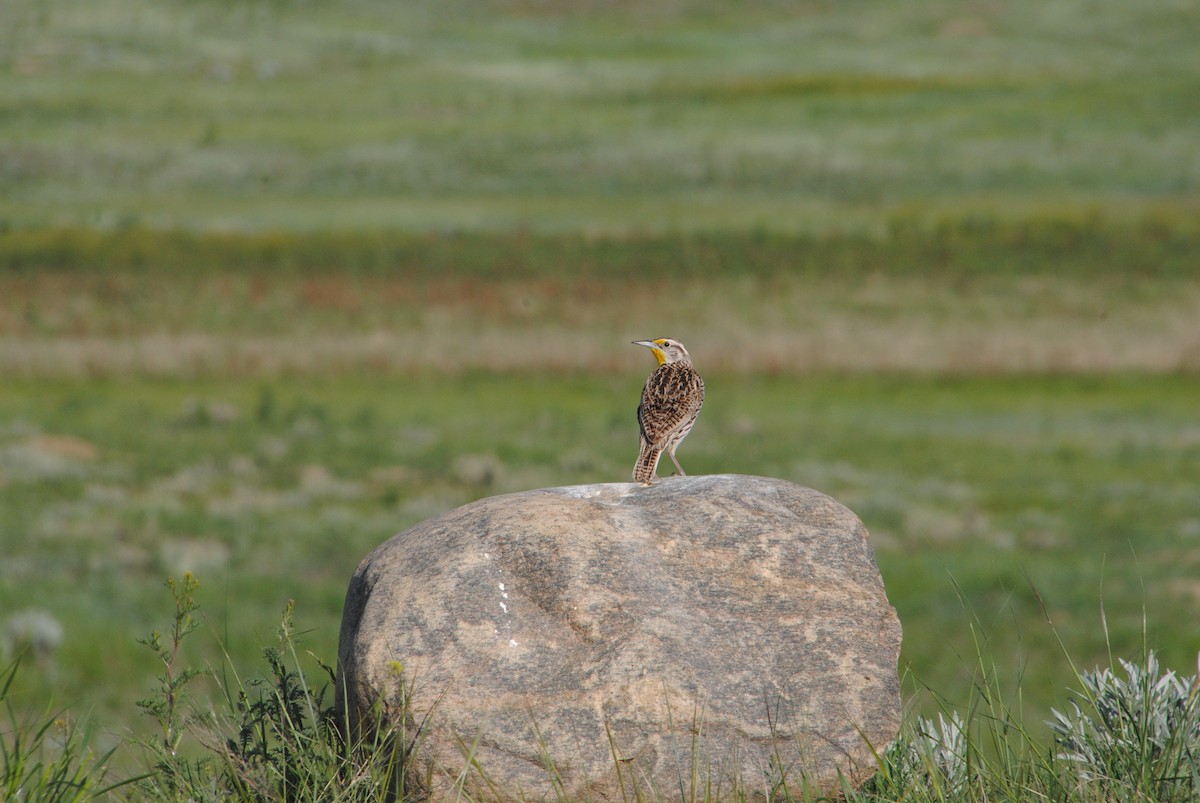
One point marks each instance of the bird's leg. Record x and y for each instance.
(671, 454)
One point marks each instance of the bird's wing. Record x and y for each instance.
(672, 396)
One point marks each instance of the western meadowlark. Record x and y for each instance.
(671, 401)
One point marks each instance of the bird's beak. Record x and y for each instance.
(650, 344)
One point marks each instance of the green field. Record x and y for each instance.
(278, 280)
(598, 117)
(1080, 489)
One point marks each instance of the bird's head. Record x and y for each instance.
(665, 349)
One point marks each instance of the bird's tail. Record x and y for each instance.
(647, 464)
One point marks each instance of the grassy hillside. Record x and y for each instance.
(600, 117)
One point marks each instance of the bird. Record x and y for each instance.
(671, 400)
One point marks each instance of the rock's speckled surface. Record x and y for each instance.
(749, 607)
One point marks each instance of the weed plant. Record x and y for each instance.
(260, 738)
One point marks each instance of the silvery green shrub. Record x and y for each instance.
(930, 759)
(1140, 733)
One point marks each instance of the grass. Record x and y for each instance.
(998, 431)
(45, 756)
(614, 118)
(1081, 485)
(1053, 297)
(270, 736)
(936, 260)
(978, 484)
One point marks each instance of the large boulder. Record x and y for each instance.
(722, 632)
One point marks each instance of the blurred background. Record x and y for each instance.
(279, 279)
